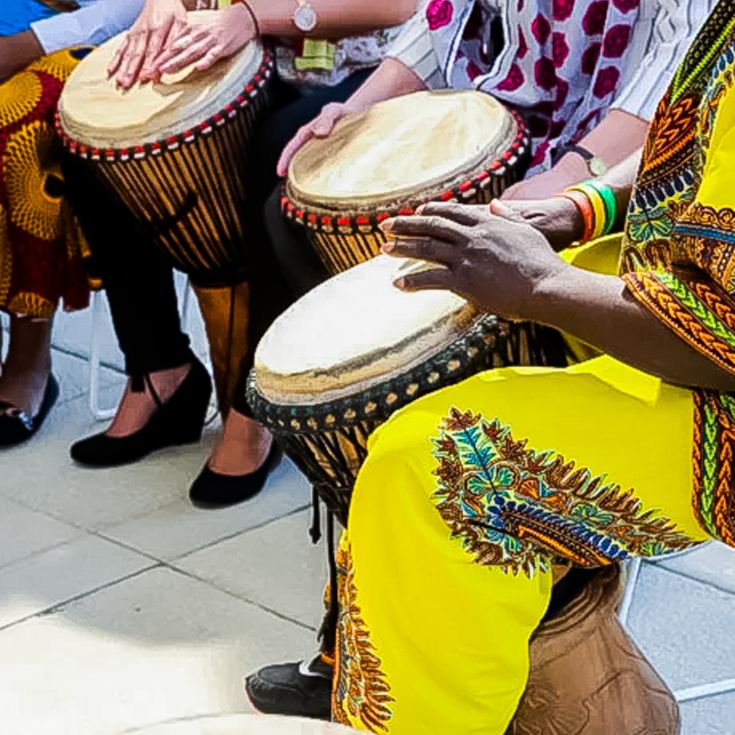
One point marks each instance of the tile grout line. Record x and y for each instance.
(246, 600)
(56, 607)
(689, 578)
(235, 534)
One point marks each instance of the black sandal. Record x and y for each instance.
(17, 426)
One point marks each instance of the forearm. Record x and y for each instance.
(599, 310)
(390, 79)
(619, 135)
(17, 51)
(336, 18)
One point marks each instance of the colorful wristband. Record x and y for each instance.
(597, 204)
(583, 204)
(611, 206)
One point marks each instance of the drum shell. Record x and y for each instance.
(588, 677)
(189, 195)
(328, 441)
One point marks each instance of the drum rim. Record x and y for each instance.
(346, 222)
(383, 397)
(251, 90)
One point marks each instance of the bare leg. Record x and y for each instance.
(242, 447)
(137, 408)
(28, 365)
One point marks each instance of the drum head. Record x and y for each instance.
(415, 146)
(243, 725)
(94, 112)
(355, 331)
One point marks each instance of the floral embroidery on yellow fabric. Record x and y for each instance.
(361, 694)
(519, 509)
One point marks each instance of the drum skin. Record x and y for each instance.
(587, 677)
(428, 146)
(348, 355)
(174, 153)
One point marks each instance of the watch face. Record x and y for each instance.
(597, 166)
(305, 18)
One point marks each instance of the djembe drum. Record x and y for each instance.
(174, 155)
(399, 154)
(347, 355)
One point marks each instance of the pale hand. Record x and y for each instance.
(320, 127)
(206, 41)
(160, 23)
(490, 261)
(569, 170)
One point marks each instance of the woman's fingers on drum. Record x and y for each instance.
(210, 58)
(430, 279)
(190, 54)
(324, 124)
(133, 60)
(114, 65)
(462, 214)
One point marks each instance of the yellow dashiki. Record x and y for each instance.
(470, 494)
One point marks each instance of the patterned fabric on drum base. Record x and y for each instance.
(40, 244)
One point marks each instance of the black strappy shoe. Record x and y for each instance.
(213, 490)
(17, 426)
(178, 421)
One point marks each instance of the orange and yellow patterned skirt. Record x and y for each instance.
(41, 248)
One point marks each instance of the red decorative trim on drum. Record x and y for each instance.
(347, 224)
(174, 142)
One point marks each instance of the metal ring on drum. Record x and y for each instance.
(460, 146)
(242, 724)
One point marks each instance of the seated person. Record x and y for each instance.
(309, 74)
(40, 249)
(475, 489)
(580, 127)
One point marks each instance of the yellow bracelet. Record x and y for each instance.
(598, 207)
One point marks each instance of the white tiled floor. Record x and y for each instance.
(121, 605)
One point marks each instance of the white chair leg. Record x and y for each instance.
(95, 360)
(632, 570)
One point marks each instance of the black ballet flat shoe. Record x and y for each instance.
(178, 421)
(16, 426)
(213, 490)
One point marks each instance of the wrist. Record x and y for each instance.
(548, 292)
(244, 15)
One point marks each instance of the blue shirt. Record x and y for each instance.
(93, 23)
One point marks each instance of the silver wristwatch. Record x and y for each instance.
(305, 17)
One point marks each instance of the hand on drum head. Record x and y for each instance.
(558, 219)
(320, 127)
(207, 40)
(160, 23)
(491, 261)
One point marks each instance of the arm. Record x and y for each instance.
(510, 269)
(164, 41)
(16, 52)
(619, 136)
(558, 219)
(336, 18)
(390, 79)
(92, 24)
(599, 310)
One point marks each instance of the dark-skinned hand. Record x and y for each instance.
(491, 261)
(558, 219)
